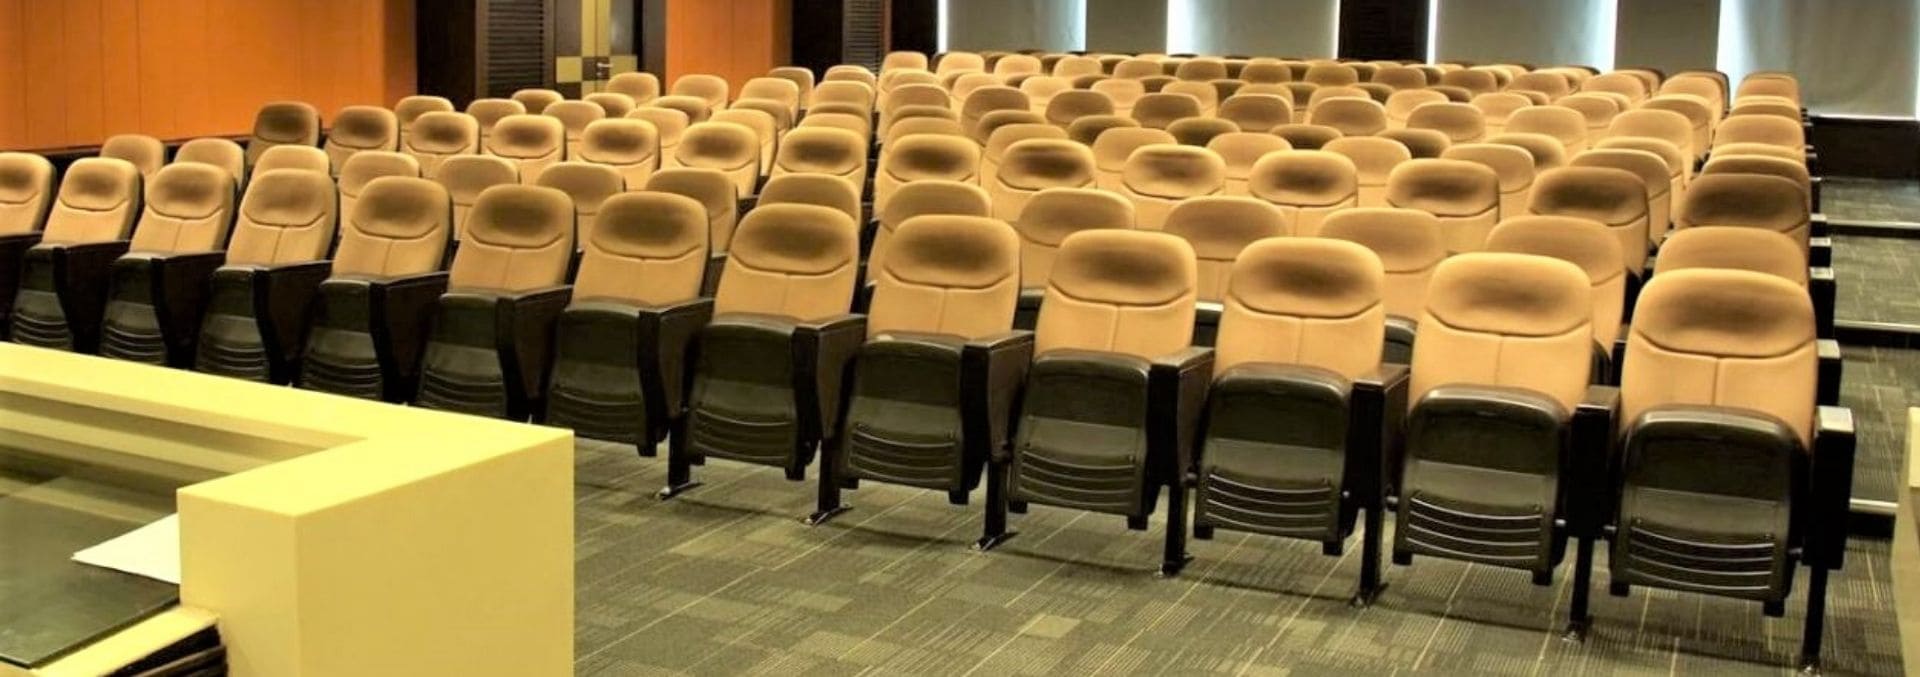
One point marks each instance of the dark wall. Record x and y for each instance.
(818, 33)
(446, 44)
(1383, 29)
(914, 25)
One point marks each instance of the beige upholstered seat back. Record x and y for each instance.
(1409, 244)
(409, 109)
(1616, 198)
(1374, 158)
(519, 238)
(1307, 185)
(946, 274)
(1464, 195)
(399, 227)
(1749, 200)
(646, 249)
(188, 208)
(669, 125)
(146, 153)
(360, 129)
(1123, 291)
(1512, 320)
(711, 89)
(218, 152)
(1353, 117)
(286, 217)
(304, 158)
(574, 116)
(26, 192)
(1056, 213)
(834, 152)
(466, 176)
(1068, 106)
(1654, 173)
(489, 112)
(363, 168)
(1113, 147)
(630, 146)
(1564, 124)
(535, 100)
(732, 149)
(532, 142)
(1159, 109)
(1732, 247)
(1308, 301)
(713, 190)
(1461, 122)
(1200, 131)
(1257, 112)
(1219, 227)
(1513, 166)
(437, 135)
(925, 157)
(1240, 151)
(588, 185)
(1422, 144)
(1581, 242)
(283, 123)
(812, 189)
(644, 87)
(792, 260)
(1033, 165)
(1729, 338)
(1160, 176)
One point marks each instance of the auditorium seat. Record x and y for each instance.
(1454, 94)
(1599, 112)
(465, 177)
(1564, 124)
(1205, 93)
(1032, 165)
(821, 190)
(1124, 93)
(1137, 68)
(1071, 67)
(980, 102)
(732, 149)
(1201, 70)
(1653, 172)
(903, 60)
(713, 190)
(934, 126)
(956, 62)
(1302, 136)
(1767, 129)
(1324, 93)
(631, 147)
(1512, 165)
(1070, 106)
(621, 344)
(1301, 407)
(146, 153)
(536, 100)
(1307, 186)
(1720, 373)
(492, 331)
(1200, 131)
(1754, 249)
(489, 112)
(1626, 84)
(711, 89)
(643, 87)
(1775, 106)
(1331, 75)
(360, 129)
(363, 168)
(1013, 65)
(925, 96)
(852, 73)
(26, 198)
(1040, 90)
(218, 152)
(63, 279)
(842, 92)
(613, 104)
(1547, 152)
(1410, 244)
(768, 371)
(938, 372)
(670, 124)
(1420, 143)
(1240, 151)
(256, 310)
(1487, 476)
(765, 129)
(1464, 195)
(1475, 81)
(304, 158)
(1747, 148)
(574, 116)
(1616, 198)
(1220, 227)
(1752, 201)
(1698, 112)
(922, 158)
(1585, 243)
(1401, 105)
(920, 198)
(1087, 130)
(1160, 109)
(1497, 106)
(1726, 163)
(695, 108)
(436, 136)
(1461, 122)
(1550, 84)
(1115, 330)
(803, 82)
(1257, 112)
(1353, 117)
(833, 152)
(1400, 78)
(1664, 125)
(1159, 176)
(531, 142)
(588, 185)
(155, 293)
(410, 108)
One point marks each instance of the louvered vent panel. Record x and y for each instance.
(861, 43)
(516, 50)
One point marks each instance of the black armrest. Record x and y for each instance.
(1827, 389)
(1820, 251)
(1832, 490)
(992, 371)
(1822, 285)
(1818, 225)
(13, 255)
(666, 340)
(280, 296)
(716, 263)
(823, 352)
(1814, 184)
(1590, 467)
(402, 309)
(1206, 322)
(79, 275)
(1378, 406)
(520, 324)
(179, 284)
(1401, 332)
(1026, 309)
(1177, 393)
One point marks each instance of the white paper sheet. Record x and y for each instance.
(152, 551)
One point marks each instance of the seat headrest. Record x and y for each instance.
(1219, 226)
(1406, 240)
(365, 127)
(797, 239)
(521, 217)
(489, 112)
(183, 190)
(619, 141)
(822, 149)
(1755, 249)
(24, 177)
(1652, 169)
(586, 183)
(1033, 164)
(1304, 177)
(1511, 164)
(575, 115)
(1510, 295)
(934, 196)
(1724, 313)
(1124, 267)
(958, 252)
(650, 225)
(1752, 200)
(670, 124)
(934, 155)
(467, 175)
(369, 165)
(1459, 121)
(289, 156)
(1055, 213)
(825, 190)
(526, 136)
(402, 208)
(1173, 171)
(443, 132)
(287, 122)
(724, 143)
(710, 186)
(1446, 187)
(1584, 242)
(287, 198)
(1611, 196)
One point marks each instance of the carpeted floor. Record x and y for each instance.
(726, 580)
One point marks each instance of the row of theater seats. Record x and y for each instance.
(1272, 375)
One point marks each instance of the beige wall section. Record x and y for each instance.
(410, 542)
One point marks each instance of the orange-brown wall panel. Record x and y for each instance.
(73, 72)
(735, 39)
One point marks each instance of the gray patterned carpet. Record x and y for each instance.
(726, 580)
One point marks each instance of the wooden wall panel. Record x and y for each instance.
(735, 39)
(73, 72)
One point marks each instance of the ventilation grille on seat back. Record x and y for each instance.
(516, 46)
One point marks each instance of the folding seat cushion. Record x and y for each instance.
(574, 116)
(1513, 166)
(813, 189)
(1219, 227)
(360, 129)
(614, 104)
(466, 176)
(1257, 112)
(1464, 195)
(156, 292)
(283, 123)
(256, 310)
(1331, 74)
(1721, 372)
(920, 198)
(1032, 165)
(1087, 130)
(1767, 129)
(1240, 151)
(732, 149)
(1614, 197)
(764, 128)
(1582, 242)
(903, 60)
(630, 146)
(1653, 172)
(1461, 122)
(1353, 117)
(218, 152)
(1373, 159)
(1304, 136)
(1497, 106)
(1200, 131)
(1075, 66)
(1158, 110)
(536, 100)
(695, 108)
(1565, 124)
(588, 185)
(951, 62)
(369, 316)
(1746, 200)
(1400, 77)
(670, 125)
(643, 87)
(925, 157)
(1548, 152)
(1550, 84)
(634, 307)
(1420, 143)
(410, 108)
(531, 142)
(62, 280)
(1664, 125)
(1501, 366)
(1409, 244)
(711, 89)
(984, 100)
(842, 92)
(146, 153)
(1157, 177)
(1474, 81)
(1401, 105)
(436, 136)
(1067, 107)
(489, 112)
(1306, 185)
(363, 168)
